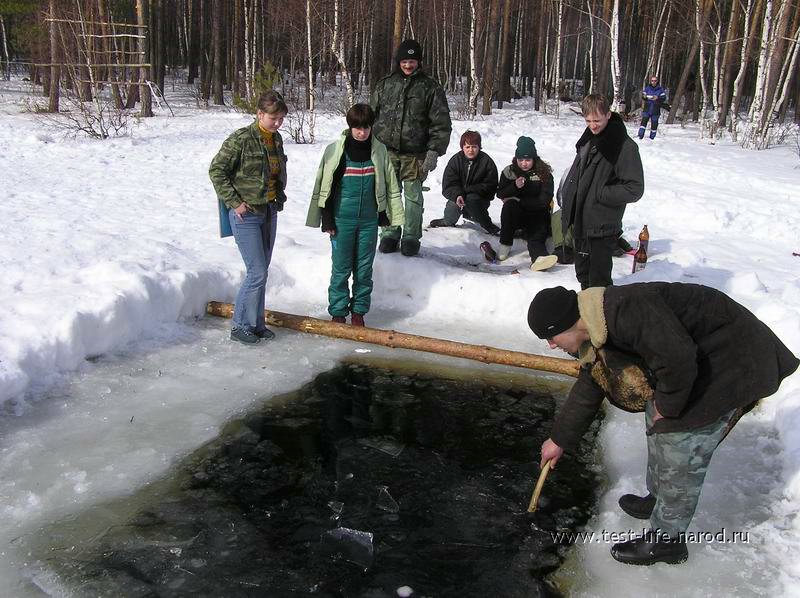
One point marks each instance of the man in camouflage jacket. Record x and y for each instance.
(413, 122)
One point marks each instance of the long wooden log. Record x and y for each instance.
(393, 339)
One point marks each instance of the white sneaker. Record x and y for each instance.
(544, 262)
(503, 251)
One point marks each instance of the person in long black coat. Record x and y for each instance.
(606, 175)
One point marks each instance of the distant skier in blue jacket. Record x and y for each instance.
(653, 96)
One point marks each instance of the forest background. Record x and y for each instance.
(732, 65)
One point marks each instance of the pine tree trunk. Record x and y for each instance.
(144, 46)
(236, 64)
(55, 70)
(504, 86)
(538, 66)
(399, 21)
(603, 64)
(216, 43)
(490, 59)
(193, 31)
(726, 88)
(681, 89)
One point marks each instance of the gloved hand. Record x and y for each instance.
(279, 205)
(429, 163)
(383, 219)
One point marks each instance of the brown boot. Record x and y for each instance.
(357, 319)
(339, 319)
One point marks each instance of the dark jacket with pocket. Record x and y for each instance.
(705, 353)
(537, 192)
(470, 177)
(605, 176)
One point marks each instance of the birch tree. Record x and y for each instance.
(557, 74)
(759, 97)
(310, 94)
(472, 100)
(616, 73)
(3, 35)
(337, 49)
(590, 12)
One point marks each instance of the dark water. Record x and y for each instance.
(362, 482)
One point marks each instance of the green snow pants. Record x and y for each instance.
(408, 171)
(676, 468)
(353, 251)
(559, 238)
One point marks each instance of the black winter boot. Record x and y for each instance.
(439, 223)
(640, 507)
(624, 245)
(409, 247)
(565, 254)
(649, 549)
(492, 229)
(387, 245)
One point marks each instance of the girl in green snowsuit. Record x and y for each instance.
(356, 190)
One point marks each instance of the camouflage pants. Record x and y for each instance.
(676, 467)
(407, 167)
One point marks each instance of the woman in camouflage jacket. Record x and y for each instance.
(249, 176)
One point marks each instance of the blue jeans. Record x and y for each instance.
(255, 238)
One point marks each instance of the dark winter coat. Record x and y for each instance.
(240, 170)
(469, 177)
(411, 113)
(653, 106)
(706, 354)
(535, 194)
(605, 176)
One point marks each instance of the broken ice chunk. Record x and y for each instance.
(385, 500)
(350, 544)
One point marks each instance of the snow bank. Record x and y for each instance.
(108, 244)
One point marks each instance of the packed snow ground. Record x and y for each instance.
(111, 249)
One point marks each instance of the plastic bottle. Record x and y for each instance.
(644, 238)
(640, 258)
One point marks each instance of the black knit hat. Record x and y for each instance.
(526, 148)
(409, 49)
(553, 311)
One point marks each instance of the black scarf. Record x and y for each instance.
(609, 141)
(358, 151)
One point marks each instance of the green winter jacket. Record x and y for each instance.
(387, 189)
(411, 113)
(240, 170)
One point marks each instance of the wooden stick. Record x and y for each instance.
(538, 489)
(390, 338)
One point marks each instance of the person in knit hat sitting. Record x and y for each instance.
(469, 182)
(526, 190)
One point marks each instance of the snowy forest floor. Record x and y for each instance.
(111, 250)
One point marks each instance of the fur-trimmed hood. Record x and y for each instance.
(609, 141)
(590, 307)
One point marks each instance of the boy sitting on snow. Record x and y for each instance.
(469, 182)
